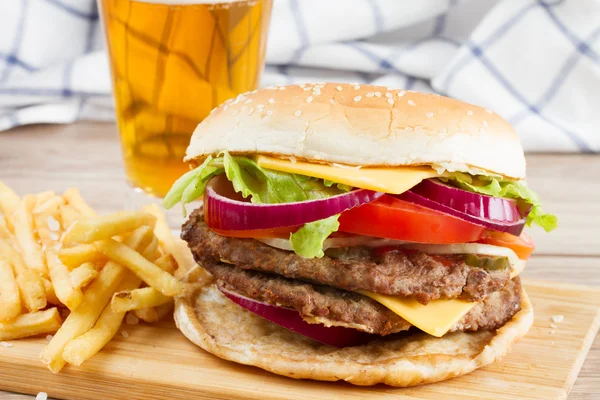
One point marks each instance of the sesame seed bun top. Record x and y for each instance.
(361, 125)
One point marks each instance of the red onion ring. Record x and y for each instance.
(290, 319)
(496, 213)
(226, 210)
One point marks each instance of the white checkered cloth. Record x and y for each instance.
(535, 62)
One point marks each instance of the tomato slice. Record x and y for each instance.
(522, 245)
(391, 218)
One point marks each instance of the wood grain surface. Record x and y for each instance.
(87, 155)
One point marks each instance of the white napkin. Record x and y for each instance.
(535, 62)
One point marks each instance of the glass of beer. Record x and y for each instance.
(172, 61)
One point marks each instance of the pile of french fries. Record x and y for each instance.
(59, 259)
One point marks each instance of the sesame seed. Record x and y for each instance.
(6, 345)
(378, 94)
(53, 224)
(41, 396)
(558, 318)
(370, 94)
(269, 113)
(306, 89)
(316, 92)
(248, 101)
(125, 334)
(356, 87)
(401, 93)
(487, 110)
(339, 88)
(357, 98)
(298, 113)
(271, 100)
(250, 111)
(553, 326)
(309, 99)
(53, 235)
(469, 112)
(485, 123)
(411, 103)
(429, 115)
(332, 101)
(388, 95)
(391, 101)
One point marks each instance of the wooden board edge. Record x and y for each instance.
(586, 345)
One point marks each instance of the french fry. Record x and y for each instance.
(144, 269)
(167, 308)
(61, 280)
(87, 345)
(75, 256)
(46, 223)
(105, 227)
(53, 203)
(32, 324)
(73, 198)
(49, 290)
(96, 297)
(167, 263)
(148, 315)
(31, 288)
(138, 299)
(9, 201)
(151, 251)
(81, 276)
(10, 302)
(140, 238)
(68, 216)
(32, 252)
(42, 197)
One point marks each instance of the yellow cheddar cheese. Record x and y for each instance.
(394, 180)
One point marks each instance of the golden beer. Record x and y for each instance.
(172, 61)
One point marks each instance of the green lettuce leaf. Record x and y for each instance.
(308, 240)
(271, 187)
(493, 186)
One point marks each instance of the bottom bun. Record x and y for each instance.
(222, 328)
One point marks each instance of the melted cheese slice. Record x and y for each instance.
(394, 180)
(437, 317)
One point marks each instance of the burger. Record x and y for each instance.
(356, 233)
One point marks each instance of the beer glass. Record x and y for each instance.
(172, 61)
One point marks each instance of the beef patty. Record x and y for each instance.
(401, 273)
(335, 307)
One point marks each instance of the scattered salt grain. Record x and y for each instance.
(558, 318)
(125, 334)
(132, 320)
(41, 396)
(53, 224)
(6, 345)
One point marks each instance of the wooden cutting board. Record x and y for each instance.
(157, 362)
